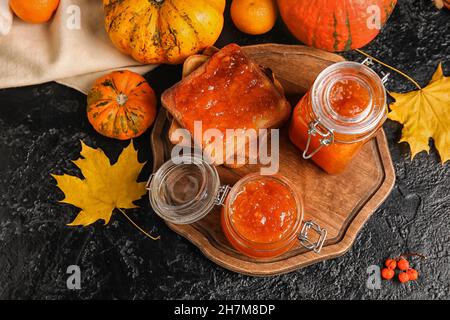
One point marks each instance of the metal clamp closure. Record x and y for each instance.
(327, 137)
(221, 195)
(306, 242)
(369, 62)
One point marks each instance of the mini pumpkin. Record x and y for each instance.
(121, 105)
(336, 25)
(442, 3)
(163, 31)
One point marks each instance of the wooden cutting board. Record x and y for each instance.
(340, 204)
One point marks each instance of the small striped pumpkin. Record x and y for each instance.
(121, 105)
(336, 25)
(163, 31)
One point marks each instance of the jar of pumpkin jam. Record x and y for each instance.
(261, 216)
(344, 108)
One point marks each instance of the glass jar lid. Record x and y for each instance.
(356, 125)
(184, 189)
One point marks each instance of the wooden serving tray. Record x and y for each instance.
(341, 204)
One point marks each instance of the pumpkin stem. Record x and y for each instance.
(122, 99)
(392, 68)
(137, 227)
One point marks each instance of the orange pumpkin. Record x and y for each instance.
(335, 25)
(121, 105)
(442, 3)
(163, 31)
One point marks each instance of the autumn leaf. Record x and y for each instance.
(425, 114)
(105, 187)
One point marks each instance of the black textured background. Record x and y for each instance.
(41, 128)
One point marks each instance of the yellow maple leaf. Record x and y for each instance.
(425, 114)
(105, 187)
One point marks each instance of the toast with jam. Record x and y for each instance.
(226, 91)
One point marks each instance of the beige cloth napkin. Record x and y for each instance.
(72, 49)
(6, 18)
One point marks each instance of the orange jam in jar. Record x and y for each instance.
(343, 109)
(262, 216)
(349, 98)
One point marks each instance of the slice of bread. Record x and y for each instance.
(226, 91)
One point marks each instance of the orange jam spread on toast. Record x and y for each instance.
(230, 93)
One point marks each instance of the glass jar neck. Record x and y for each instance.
(356, 125)
(184, 189)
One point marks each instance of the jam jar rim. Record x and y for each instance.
(203, 210)
(364, 128)
(287, 240)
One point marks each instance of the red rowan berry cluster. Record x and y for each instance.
(401, 263)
